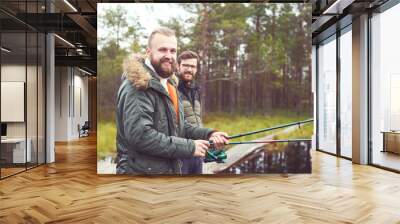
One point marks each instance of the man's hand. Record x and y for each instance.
(220, 139)
(201, 148)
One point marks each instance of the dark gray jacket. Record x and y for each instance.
(149, 138)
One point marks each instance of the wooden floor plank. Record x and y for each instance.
(70, 191)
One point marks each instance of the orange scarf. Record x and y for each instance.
(174, 98)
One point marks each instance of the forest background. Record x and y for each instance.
(255, 61)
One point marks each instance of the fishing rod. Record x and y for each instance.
(269, 141)
(270, 129)
(215, 155)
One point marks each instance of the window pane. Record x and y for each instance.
(327, 96)
(14, 153)
(385, 88)
(41, 98)
(31, 97)
(346, 94)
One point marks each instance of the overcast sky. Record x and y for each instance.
(148, 15)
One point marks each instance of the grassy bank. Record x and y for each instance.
(232, 124)
(106, 133)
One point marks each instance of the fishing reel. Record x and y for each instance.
(214, 155)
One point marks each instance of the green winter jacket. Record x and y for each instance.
(149, 138)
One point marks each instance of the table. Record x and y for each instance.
(391, 141)
(13, 150)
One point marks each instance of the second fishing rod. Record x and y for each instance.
(214, 155)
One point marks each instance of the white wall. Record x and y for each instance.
(12, 73)
(61, 103)
(71, 87)
(80, 100)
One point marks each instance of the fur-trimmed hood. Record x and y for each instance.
(135, 71)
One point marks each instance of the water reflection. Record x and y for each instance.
(292, 157)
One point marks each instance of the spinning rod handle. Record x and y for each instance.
(211, 142)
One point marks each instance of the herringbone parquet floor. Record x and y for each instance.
(70, 191)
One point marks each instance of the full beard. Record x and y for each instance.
(187, 76)
(164, 68)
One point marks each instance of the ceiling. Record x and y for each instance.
(330, 15)
(73, 22)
